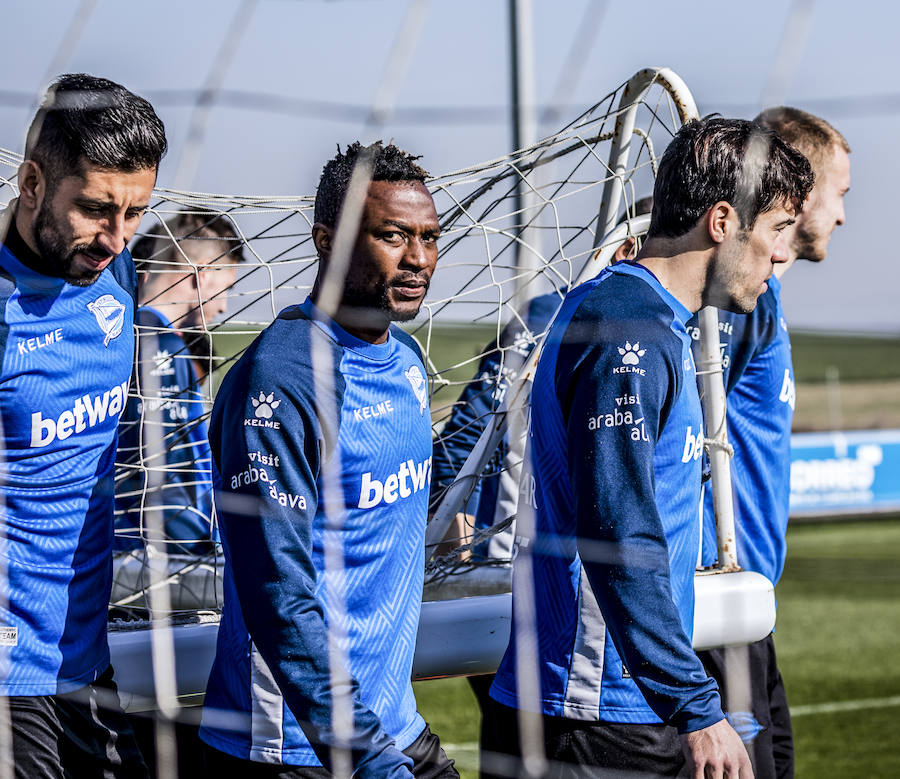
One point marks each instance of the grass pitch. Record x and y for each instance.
(838, 643)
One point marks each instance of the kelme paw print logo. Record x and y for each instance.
(632, 353)
(264, 405)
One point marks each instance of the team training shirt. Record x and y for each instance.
(759, 385)
(67, 353)
(616, 441)
(480, 399)
(278, 454)
(167, 402)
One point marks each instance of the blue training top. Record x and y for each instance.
(167, 392)
(292, 586)
(616, 441)
(482, 397)
(67, 354)
(759, 385)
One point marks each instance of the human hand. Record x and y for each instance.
(716, 752)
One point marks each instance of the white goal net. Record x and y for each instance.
(517, 232)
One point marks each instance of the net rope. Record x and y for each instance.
(514, 228)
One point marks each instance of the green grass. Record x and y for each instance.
(868, 368)
(856, 358)
(838, 640)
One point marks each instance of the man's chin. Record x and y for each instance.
(404, 314)
(83, 277)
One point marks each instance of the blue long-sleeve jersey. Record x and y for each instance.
(166, 402)
(615, 456)
(322, 504)
(481, 397)
(759, 386)
(66, 361)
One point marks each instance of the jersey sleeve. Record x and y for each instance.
(483, 396)
(468, 420)
(269, 446)
(623, 394)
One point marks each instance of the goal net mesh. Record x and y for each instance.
(515, 229)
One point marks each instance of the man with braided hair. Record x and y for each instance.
(321, 445)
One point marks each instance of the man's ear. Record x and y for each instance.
(626, 250)
(32, 185)
(721, 221)
(323, 238)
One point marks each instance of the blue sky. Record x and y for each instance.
(830, 57)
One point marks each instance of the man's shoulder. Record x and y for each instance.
(618, 307)
(282, 355)
(407, 341)
(123, 271)
(760, 327)
(287, 337)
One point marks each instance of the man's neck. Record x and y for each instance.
(19, 240)
(367, 324)
(681, 273)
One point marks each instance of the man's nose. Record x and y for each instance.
(112, 237)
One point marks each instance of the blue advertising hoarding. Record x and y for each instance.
(845, 472)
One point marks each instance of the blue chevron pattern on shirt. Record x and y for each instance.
(280, 454)
(66, 364)
(615, 452)
(759, 386)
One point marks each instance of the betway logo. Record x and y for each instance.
(409, 478)
(693, 446)
(86, 412)
(788, 392)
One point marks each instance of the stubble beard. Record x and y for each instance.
(732, 282)
(57, 253)
(810, 244)
(373, 301)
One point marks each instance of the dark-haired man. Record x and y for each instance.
(182, 285)
(759, 382)
(321, 444)
(603, 581)
(67, 286)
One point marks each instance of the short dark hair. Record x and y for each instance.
(389, 163)
(809, 134)
(735, 160)
(89, 119)
(196, 224)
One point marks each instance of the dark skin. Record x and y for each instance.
(392, 261)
